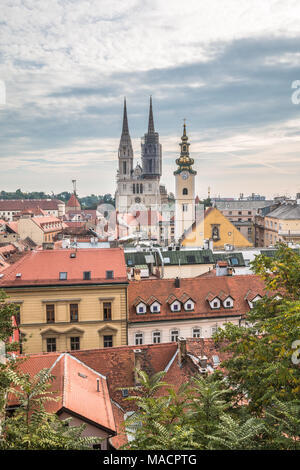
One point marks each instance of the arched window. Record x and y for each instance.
(185, 191)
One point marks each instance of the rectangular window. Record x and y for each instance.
(50, 313)
(51, 344)
(156, 337)
(138, 339)
(109, 274)
(73, 312)
(124, 168)
(108, 341)
(174, 335)
(63, 276)
(86, 275)
(107, 310)
(17, 314)
(196, 332)
(75, 343)
(185, 207)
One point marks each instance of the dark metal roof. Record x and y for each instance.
(234, 259)
(182, 257)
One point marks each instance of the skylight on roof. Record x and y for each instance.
(63, 276)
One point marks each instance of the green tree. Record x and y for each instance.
(159, 419)
(260, 367)
(31, 427)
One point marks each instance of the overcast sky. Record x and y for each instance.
(225, 66)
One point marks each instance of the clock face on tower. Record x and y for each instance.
(185, 175)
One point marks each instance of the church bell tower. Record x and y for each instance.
(184, 189)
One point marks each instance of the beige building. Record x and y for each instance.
(282, 225)
(11, 208)
(39, 229)
(69, 299)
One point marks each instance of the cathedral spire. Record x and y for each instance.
(151, 121)
(125, 130)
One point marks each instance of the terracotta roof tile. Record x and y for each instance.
(76, 386)
(43, 267)
(23, 204)
(200, 289)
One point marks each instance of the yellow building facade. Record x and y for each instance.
(69, 299)
(76, 317)
(217, 228)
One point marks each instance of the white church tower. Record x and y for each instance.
(184, 189)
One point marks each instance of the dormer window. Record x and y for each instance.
(189, 305)
(141, 308)
(63, 276)
(109, 274)
(155, 307)
(215, 303)
(176, 306)
(228, 303)
(255, 299)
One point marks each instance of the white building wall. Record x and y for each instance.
(185, 328)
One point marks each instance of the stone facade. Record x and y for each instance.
(139, 187)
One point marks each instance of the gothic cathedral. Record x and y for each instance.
(138, 187)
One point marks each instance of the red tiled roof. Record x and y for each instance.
(200, 289)
(76, 387)
(23, 204)
(3, 264)
(73, 202)
(117, 364)
(6, 249)
(13, 226)
(43, 223)
(43, 267)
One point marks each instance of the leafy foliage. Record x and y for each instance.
(31, 427)
(255, 403)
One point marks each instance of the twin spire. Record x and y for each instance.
(125, 129)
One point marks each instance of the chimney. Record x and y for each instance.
(137, 274)
(137, 365)
(203, 364)
(181, 350)
(177, 282)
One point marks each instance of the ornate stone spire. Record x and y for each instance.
(125, 153)
(184, 162)
(151, 129)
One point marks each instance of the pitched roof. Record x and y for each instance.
(286, 212)
(48, 223)
(200, 289)
(73, 202)
(117, 364)
(43, 267)
(76, 387)
(23, 204)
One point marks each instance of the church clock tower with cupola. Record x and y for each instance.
(184, 189)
